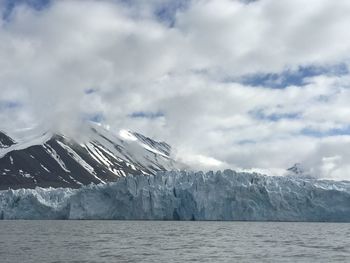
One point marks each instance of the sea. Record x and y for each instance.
(173, 241)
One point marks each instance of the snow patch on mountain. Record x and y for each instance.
(27, 142)
(127, 135)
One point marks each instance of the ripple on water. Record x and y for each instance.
(158, 241)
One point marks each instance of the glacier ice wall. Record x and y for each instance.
(223, 195)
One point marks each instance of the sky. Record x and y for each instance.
(254, 85)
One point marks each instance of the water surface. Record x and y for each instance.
(172, 241)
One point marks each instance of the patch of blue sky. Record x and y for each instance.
(94, 117)
(97, 118)
(245, 142)
(331, 132)
(274, 117)
(248, 1)
(323, 98)
(166, 12)
(90, 91)
(146, 115)
(290, 77)
(7, 105)
(11, 4)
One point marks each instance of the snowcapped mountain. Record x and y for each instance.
(5, 140)
(98, 157)
(296, 169)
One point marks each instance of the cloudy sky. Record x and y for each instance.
(229, 83)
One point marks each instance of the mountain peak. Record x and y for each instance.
(296, 169)
(5, 140)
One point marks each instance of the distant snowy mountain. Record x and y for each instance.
(298, 170)
(60, 161)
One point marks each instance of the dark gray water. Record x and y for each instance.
(166, 241)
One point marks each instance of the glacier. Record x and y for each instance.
(222, 195)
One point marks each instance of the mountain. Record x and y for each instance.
(299, 171)
(57, 160)
(296, 169)
(5, 140)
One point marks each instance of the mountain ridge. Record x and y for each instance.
(56, 160)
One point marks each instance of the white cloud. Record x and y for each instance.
(134, 62)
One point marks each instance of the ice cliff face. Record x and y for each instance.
(186, 196)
